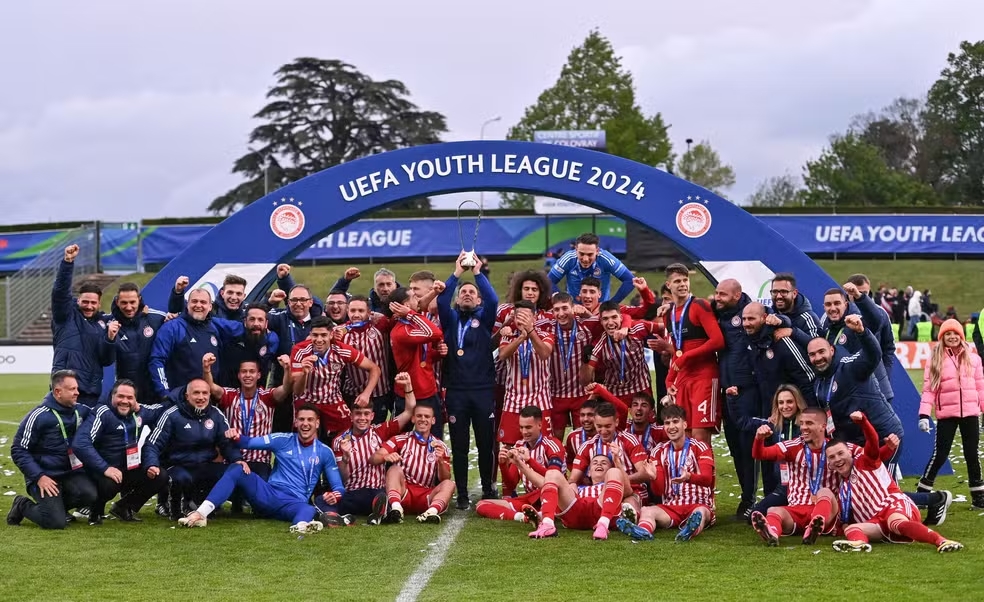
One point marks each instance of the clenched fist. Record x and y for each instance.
(71, 252)
(181, 284)
(283, 270)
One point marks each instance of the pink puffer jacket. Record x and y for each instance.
(959, 394)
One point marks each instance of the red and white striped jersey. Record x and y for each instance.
(626, 370)
(417, 456)
(566, 359)
(372, 343)
(632, 452)
(324, 382)
(257, 411)
(546, 448)
(590, 491)
(798, 470)
(871, 489)
(362, 474)
(575, 439)
(698, 461)
(593, 324)
(649, 437)
(533, 386)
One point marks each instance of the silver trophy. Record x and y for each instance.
(470, 260)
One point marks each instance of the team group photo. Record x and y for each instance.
(563, 359)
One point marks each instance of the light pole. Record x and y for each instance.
(689, 142)
(481, 136)
(266, 170)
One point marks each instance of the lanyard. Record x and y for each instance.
(600, 449)
(647, 434)
(566, 352)
(309, 471)
(126, 435)
(611, 350)
(815, 476)
(830, 389)
(678, 326)
(427, 442)
(845, 500)
(247, 422)
(525, 358)
(354, 325)
(61, 425)
(789, 437)
(676, 468)
(462, 331)
(534, 446)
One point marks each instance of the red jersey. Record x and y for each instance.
(420, 465)
(649, 437)
(323, 383)
(694, 457)
(638, 312)
(372, 343)
(546, 451)
(626, 370)
(869, 489)
(632, 452)
(590, 491)
(696, 332)
(803, 470)
(252, 417)
(412, 340)
(437, 362)
(575, 439)
(527, 375)
(566, 359)
(362, 473)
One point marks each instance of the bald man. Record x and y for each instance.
(741, 409)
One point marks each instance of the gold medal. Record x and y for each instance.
(461, 352)
(423, 364)
(679, 353)
(526, 381)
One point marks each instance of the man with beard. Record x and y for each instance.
(384, 283)
(183, 449)
(292, 326)
(229, 306)
(302, 461)
(787, 301)
(107, 443)
(469, 374)
(181, 343)
(588, 260)
(256, 344)
(139, 326)
(775, 361)
(885, 335)
(82, 340)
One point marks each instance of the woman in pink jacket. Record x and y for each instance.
(953, 390)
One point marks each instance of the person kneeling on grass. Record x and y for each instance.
(682, 472)
(419, 478)
(301, 460)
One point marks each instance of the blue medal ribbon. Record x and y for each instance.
(830, 390)
(354, 325)
(676, 468)
(248, 422)
(566, 352)
(462, 331)
(623, 348)
(647, 434)
(845, 500)
(126, 435)
(427, 442)
(815, 477)
(600, 449)
(525, 358)
(678, 326)
(309, 471)
(532, 447)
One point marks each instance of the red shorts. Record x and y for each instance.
(566, 411)
(897, 505)
(679, 512)
(335, 417)
(583, 514)
(516, 503)
(509, 427)
(699, 398)
(801, 516)
(416, 499)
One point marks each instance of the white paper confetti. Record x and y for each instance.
(816, 552)
(10, 493)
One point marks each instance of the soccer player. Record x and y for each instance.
(587, 259)
(317, 366)
(364, 492)
(871, 504)
(360, 333)
(810, 507)
(571, 340)
(526, 357)
(83, 341)
(590, 507)
(642, 412)
(623, 447)
(579, 436)
(538, 449)
(693, 379)
(413, 339)
(42, 451)
(301, 462)
(682, 471)
(622, 355)
(419, 478)
(249, 408)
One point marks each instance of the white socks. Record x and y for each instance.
(206, 508)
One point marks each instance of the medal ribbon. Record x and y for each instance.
(815, 476)
(677, 326)
(525, 357)
(676, 468)
(566, 352)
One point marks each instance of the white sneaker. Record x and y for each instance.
(193, 520)
(305, 528)
(846, 545)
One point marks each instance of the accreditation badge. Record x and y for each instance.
(73, 460)
(132, 457)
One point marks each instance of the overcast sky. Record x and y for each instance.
(119, 110)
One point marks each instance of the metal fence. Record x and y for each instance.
(27, 294)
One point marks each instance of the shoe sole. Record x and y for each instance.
(815, 529)
(629, 513)
(531, 516)
(949, 547)
(633, 530)
(845, 547)
(394, 516)
(690, 527)
(430, 519)
(379, 504)
(553, 534)
(762, 528)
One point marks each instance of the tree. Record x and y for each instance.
(852, 172)
(322, 113)
(702, 166)
(594, 92)
(778, 191)
(955, 108)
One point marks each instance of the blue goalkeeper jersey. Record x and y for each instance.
(296, 468)
(604, 266)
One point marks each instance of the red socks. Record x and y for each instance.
(823, 508)
(611, 497)
(916, 532)
(549, 499)
(393, 496)
(855, 534)
(648, 525)
(775, 524)
(439, 505)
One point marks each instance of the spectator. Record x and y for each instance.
(915, 313)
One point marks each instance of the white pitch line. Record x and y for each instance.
(10, 423)
(435, 558)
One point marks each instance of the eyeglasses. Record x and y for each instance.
(781, 291)
(299, 299)
(335, 303)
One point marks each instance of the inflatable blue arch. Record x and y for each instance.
(723, 240)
